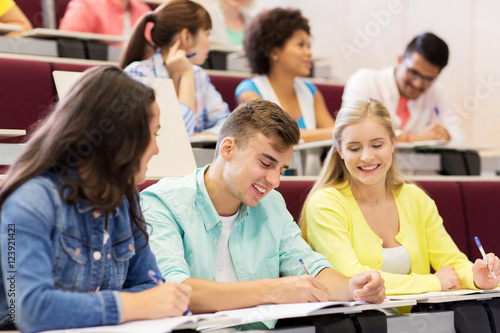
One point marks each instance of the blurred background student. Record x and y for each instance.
(277, 45)
(180, 34)
(10, 13)
(362, 214)
(229, 19)
(418, 107)
(111, 17)
(70, 212)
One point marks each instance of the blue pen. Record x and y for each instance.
(478, 243)
(304, 267)
(190, 55)
(159, 281)
(436, 110)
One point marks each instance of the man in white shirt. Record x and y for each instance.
(417, 106)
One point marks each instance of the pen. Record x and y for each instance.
(304, 267)
(436, 110)
(159, 281)
(190, 55)
(478, 243)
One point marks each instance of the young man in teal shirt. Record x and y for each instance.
(227, 234)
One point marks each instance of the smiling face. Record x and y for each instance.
(295, 55)
(367, 150)
(414, 75)
(152, 149)
(253, 171)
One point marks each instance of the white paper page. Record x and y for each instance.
(278, 311)
(140, 326)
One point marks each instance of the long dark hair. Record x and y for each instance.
(168, 20)
(101, 130)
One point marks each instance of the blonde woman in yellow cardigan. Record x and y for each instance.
(362, 215)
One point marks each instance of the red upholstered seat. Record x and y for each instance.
(295, 193)
(226, 86)
(33, 11)
(332, 94)
(27, 92)
(449, 202)
(482, 212)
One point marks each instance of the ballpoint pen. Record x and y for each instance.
(478, 243)
(304, 267)
(159, 281)
(190, 55)
(436, 111)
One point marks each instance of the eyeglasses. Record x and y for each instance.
(413, 74)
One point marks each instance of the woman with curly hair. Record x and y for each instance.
(278, 49)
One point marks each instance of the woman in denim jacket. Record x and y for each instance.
(74, 247)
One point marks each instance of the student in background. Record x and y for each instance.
(227, 234)
(418, 108)
(362, 215)
(180, 36)
(112, 17)
(229, 18)
(10, 13)
(278, 49)
(71, 225)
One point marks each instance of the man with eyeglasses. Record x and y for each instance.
(417, 106)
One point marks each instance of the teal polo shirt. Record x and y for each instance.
(185, 228)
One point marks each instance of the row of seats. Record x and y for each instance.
(28, 90)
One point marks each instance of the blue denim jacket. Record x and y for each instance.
(57, 272)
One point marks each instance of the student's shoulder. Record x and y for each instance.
(42, 188)
(330, 193)
(413, 194)
(170, 188)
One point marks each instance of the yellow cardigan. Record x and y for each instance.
(337, 229)
(5, 6)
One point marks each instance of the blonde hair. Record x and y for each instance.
(334, 172)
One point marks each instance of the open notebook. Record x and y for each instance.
(176, 157)
(223, 319)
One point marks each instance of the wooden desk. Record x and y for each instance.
(55, 34)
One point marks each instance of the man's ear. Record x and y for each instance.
(227, 148)
(400, 59)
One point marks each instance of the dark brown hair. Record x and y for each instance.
(168, 20)
(260, 116)
(269, 30)
(99, 129)
(431, 47)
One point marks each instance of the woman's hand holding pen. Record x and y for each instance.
(166, 300)
(448, 278)
(367, 286)
(176, 61)
(481, 272)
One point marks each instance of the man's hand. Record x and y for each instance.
(298, 289)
